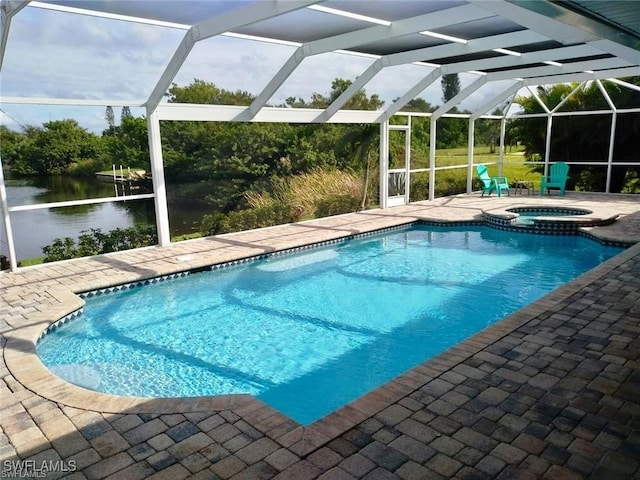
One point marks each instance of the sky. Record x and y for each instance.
(63, 55)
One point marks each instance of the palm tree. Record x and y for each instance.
(586, 137)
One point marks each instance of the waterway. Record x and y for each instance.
(34, 229)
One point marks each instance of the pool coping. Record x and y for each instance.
(24, 364)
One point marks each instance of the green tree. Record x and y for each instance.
(126, 113)
(127, 144)
(11, 145)
(57, 146)
(224, 162)
(583, 138)
(418, 105)
(202, 92)
(245, 159)
(450, 84)
(487, 131)
(220, 163)
(201, 157)
(451, 132)
(359, 101)
(110, 117)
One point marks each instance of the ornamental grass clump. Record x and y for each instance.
(309, 191)
(317, 193)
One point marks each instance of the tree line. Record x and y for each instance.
(223, 163)
(215, 161)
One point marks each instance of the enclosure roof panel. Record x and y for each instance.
(187, 12)
(505, 39)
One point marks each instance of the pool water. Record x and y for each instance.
(527, 215)
(310, 332)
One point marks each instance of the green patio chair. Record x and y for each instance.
(489, 184)
(557, 178)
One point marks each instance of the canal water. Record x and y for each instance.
(35, 229)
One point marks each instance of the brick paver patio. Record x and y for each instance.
(552, 391)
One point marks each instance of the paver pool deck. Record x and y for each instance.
(552, 391)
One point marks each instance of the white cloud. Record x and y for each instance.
(55, 54)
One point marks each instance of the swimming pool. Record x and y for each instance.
(307, 333)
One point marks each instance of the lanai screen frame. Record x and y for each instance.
(550, 114)
(538, 18)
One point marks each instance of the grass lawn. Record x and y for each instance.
(31, 261)
(514, 167)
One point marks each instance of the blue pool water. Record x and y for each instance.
(527, 215)
(308, 333)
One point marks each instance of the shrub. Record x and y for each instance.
(589, 180)
(631, 182)
(95, 242)
(4, 263)
(451, 182)
(60, 249)
(419, 189)
(213, 224)
(450, 185)
(86, 167)
(272, 213)
(336, 205)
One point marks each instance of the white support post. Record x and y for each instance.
(407, 161)
(384, 164)
(470, 147)
(612, 138)
(7, 222)
(432, 159)
(503, 123)
(157, 176)
(547, 148)
(612, 135)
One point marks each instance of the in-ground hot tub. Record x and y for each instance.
(547, 219)
(529, 215)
